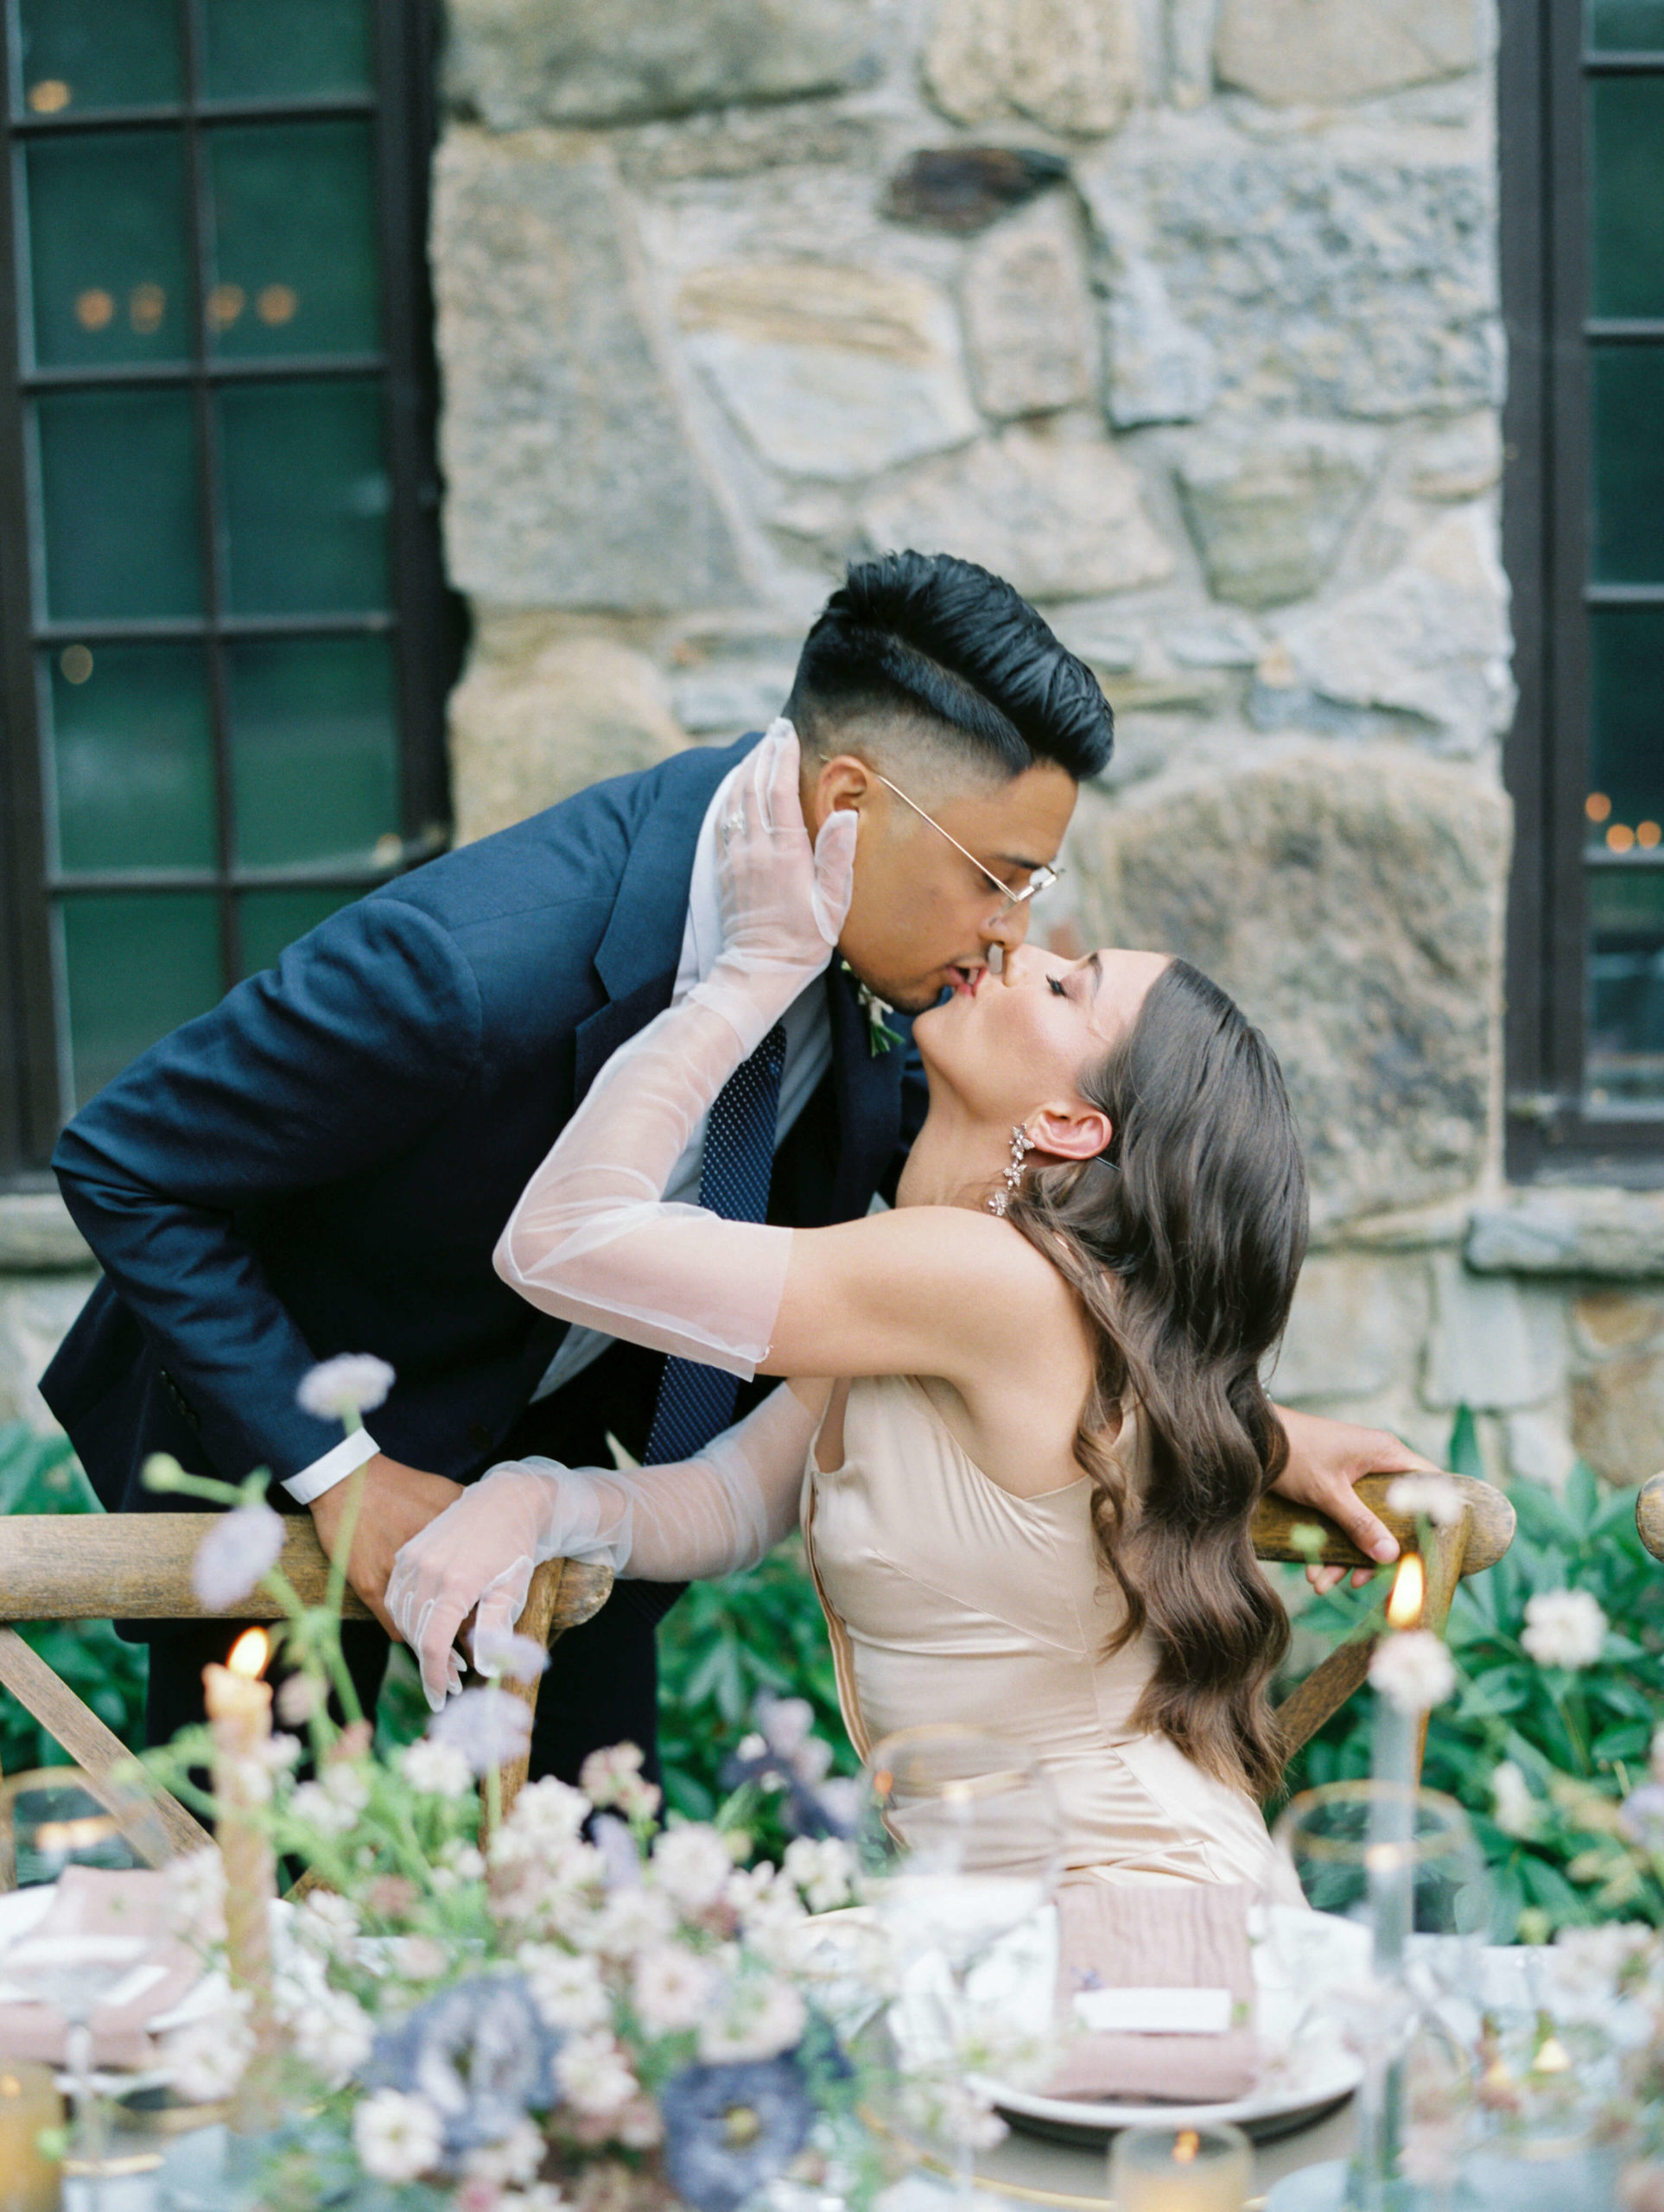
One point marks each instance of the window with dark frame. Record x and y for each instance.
(226, 640)
(1582, 109)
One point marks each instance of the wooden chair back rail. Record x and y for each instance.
(138, 1567)
(1649, 1514)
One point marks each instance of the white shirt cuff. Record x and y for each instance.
(346, 1458)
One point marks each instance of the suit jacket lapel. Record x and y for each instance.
(868, 1085)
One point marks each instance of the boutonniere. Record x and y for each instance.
(880, 1036)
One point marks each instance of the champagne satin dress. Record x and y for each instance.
(949, 1600)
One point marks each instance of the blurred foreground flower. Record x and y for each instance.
(489, 1727)
(502, 1651)
(1514, 1809)
(1413, 1670)
(236, 1552)
(397, 2137)
(479, 2054)
(729, 2130)
(1564, 1628)
(1427, 1498)
(353, 1383)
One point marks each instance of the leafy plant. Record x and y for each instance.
(39, 1474)
(1579, 1739)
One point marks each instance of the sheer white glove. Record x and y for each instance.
(686, 1521)
(591, 1239)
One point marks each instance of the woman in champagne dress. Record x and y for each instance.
(1025, 1433)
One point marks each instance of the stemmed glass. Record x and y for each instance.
(961, 1843)
(1403, 1862)
(48, 1820)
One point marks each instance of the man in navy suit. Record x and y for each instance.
(323, 1164)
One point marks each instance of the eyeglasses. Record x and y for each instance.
(1040, 878)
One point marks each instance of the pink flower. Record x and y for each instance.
(236, 1552)
(489, 1727)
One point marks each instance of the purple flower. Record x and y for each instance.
(1641, 1816)
(729, 2130)
(352, 1383)
(785, 1754)
(489, 1727)
(233, 1556)
(479, 2054)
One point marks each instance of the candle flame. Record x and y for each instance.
(1185, 2146)
(1409, 1590)
(249, 1653)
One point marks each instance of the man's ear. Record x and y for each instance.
(843, 783)
(1072, 1132)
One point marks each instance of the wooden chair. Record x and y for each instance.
(1649, 1514)
(1475, 1542)
(137, 1566)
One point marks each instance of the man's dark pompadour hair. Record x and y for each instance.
(923, 633)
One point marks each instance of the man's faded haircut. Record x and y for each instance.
(915, 635)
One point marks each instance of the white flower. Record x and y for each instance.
(771, 1913)
(236, 1552)
(464, 1860)
(548, 1812)
(348, 1785)
(196, 1895)
(206, 2061)
(419, 1958)
(354, 1382)
(396, 2137)
(279, 1753)
(312, 1804)
(489, 1727)
(1588, 1962)
(824, 1870)
(630, 1921)
(762, 2018)
(1413, 1669)
(1564, 1628)
(787, 1723)
(1427, 1498)
(1513, 1807)
(299, 1696)
(671, 1987)
(502, 1651)
(541, 2197)
(333, 2035)
(516, 2158)
(592, 2072)
(691, 1865)
(613, 1777)
(436, 1770)
(567, 1988)
(326, 1922)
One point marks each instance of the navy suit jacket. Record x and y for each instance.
(324, 1163)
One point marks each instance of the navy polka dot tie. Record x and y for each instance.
(696, 1403)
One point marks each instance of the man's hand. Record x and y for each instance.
(397, 1501)
(1326, 1459)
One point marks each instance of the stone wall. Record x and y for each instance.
(1181, 313)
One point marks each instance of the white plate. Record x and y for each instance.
(1301, 2083)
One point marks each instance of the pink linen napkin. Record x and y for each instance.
(1185, 1936)
(94, 1901)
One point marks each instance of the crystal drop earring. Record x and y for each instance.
(1021, 1144)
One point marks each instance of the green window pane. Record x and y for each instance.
(1626, 26)
(132, 756)
(107, 232)
(85, 54)
(272, 919)
(295, 215)
(135, 967)
(306, 50)
(314, 750)
(1628, 464)
(1625, 1063)
(1626, 196)
(306, 498)
(118, 483)
(1625, 806)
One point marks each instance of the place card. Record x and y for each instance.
(1155, 2012)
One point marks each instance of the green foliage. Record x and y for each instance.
(38, 1474)
(719, 1647)
(1579, 1739)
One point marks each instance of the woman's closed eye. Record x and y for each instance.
(1055, 984)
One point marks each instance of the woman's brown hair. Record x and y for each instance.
(1183, 1241)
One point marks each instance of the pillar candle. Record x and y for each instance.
(239, 1713)
(1186, 2170)
(28, 2103)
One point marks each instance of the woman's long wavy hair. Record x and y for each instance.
(1183, 1241)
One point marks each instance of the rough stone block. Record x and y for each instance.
(1618, 1417)
(1159, 369)
(964, 188)
(1539, 1447)
(35, 1316)
(1351, 902)
(38, 1237)
(1458, 460)
(1057, 518)
(571, 480)
(830, 371)
(1268, 512)
(1349, 272)
(1607, 1321)
(1355, 1328)
(1572, 1229)
(531, 727)
(1072, 65)
(1295, 51)
(1430, 638)
(1494, 1345)
(1028, 318)
(515, 62)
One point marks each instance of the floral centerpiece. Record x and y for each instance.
(557, 2003)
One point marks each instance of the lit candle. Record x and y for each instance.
(28, 2104)
(239, 1712)
(1389, 1859)
(1182, 2170)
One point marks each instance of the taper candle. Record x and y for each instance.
(239, 1713)
(30, 2103)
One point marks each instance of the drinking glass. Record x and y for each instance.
(1403, 1862)
(959, 1842)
